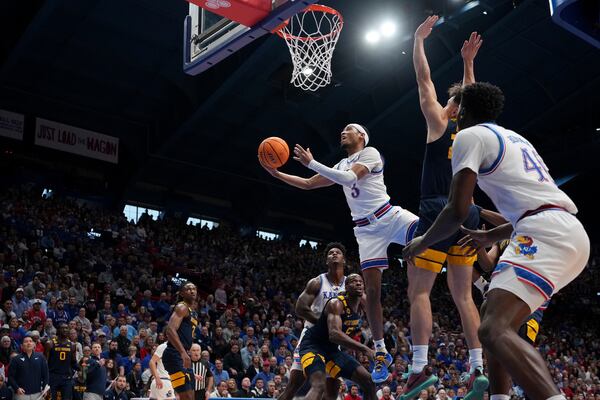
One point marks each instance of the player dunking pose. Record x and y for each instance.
(310, 305)
(62, 364)
(378, 223)
(435, 186)
(548, 245)
(180, 329)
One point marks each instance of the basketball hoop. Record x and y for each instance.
(311, 36)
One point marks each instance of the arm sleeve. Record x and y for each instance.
(371, 159)
(467, 151)
(344, 178)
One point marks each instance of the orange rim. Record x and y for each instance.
(312, 7)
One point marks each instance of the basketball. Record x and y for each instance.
(273, 152)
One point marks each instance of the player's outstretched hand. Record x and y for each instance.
(475, 239)
(426, 27)
(272, 171)
(413, 249)
(471, 47)
(303, 156)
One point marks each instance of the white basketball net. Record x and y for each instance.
(311, 36)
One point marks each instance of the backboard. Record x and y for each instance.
(209, 38)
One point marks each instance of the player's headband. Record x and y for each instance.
(362, 130)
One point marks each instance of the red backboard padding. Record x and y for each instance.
(246, 12)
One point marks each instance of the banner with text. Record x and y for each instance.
(76, 140)
(11, 124)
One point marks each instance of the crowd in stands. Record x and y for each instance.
(118, 289)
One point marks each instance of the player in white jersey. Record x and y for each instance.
(378, 223)
(548, 248)
(160, 388)
(309, 306)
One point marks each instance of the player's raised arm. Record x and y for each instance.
(468, 52)
(307, 297)
(431, 108)
(334, 310)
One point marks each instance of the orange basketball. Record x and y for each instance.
(273, 152)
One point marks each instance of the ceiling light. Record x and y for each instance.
(372, 37)
(597, 129)
(388, 29)
(403, 52)
(485, 13)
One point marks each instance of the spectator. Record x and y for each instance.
(259, 388)
(78, 347)
(385, 393)
(123, 342)
(5, 392)
(266, 375)
(6, 312)
(232, 362)
(244, 391)
(353, 395)
(134, 379)
(112, 371)
(247, 354)
(86, 325)
(221, 391)
(117, 391)
(129, 362)
(20, 303)
(219, 373)
(59, 315)
(231, 386)
(254, 369)
(28, 372)
(271, 392)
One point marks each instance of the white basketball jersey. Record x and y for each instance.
(327, 291)
(369, 193)
(162, 372)
(509, 169)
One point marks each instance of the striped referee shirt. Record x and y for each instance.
(203, 369)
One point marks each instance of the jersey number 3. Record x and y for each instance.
(354, 191)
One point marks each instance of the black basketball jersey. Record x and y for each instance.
(351, 323)
(60, 358)
(187, 328)
(437, 164)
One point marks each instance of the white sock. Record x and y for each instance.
(380, 345)
(499, 397)
(480, 284)
(419, 358)
(475, 358)
(557, 397)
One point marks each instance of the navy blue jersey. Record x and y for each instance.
(187, 328)
(60, 358)
(319, 332)
(437, 164)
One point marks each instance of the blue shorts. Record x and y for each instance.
(182, 379)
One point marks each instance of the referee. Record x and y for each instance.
(204, 382)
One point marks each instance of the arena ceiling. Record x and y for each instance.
(115, 67)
